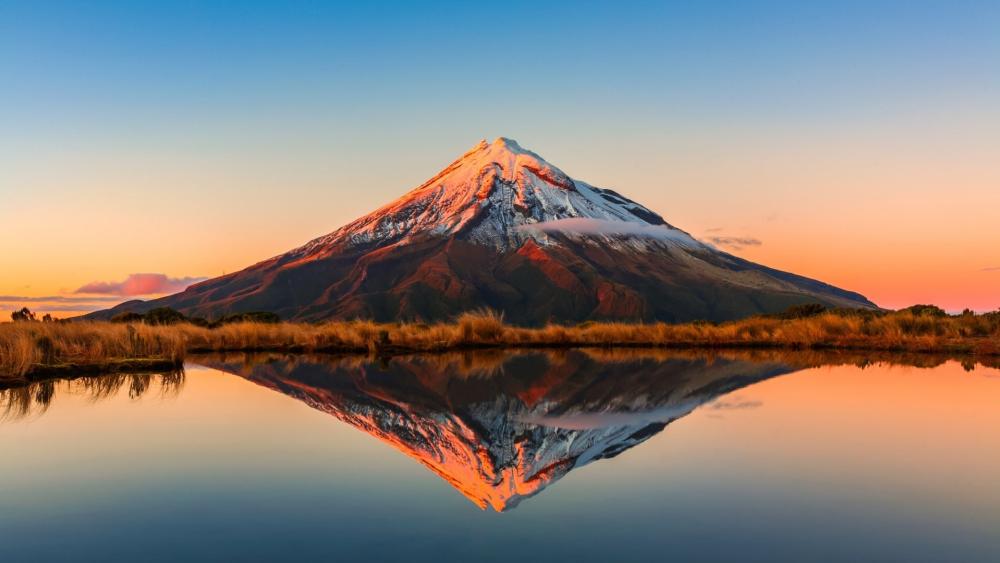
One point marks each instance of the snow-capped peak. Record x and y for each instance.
(512, 160)
(499, 194)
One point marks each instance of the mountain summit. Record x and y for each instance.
(492, 195)
(502, 228)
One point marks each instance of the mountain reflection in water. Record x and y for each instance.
(501, 427)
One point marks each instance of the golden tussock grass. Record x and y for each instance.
(28, 347)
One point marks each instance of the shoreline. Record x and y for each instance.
(43, 372)
(798, 357)
(31, 351)
(68, 371)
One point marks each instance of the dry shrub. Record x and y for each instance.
(480, 326)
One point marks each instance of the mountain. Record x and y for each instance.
(502, 228)
(500, 428)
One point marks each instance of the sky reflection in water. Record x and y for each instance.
(731, 457)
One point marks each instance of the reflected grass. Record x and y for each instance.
(34, 399)
(491, 362)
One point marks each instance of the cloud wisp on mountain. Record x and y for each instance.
(587, 226)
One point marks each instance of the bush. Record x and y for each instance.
(802, 311)
(262, 317)
(480, 325)
(24, 315)
(168, 316)
(864, 314)
(128, 317)
(992, 316)
(163, 316)
(925, 311)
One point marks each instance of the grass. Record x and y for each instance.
(31, 349)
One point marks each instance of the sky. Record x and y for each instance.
(146, 145)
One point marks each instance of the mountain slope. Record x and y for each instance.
(500, 227)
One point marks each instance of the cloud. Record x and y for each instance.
(584, 226)
(140, 284)
(54, 303)
(992, 269)
(99, 295)
(57, 299)
(609, 419)
(736, 243)
(735, 404)
(81, 307)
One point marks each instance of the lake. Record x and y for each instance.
(576, 455)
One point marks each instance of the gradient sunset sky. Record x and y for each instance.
(854, 142)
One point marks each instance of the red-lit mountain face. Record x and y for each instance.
(502, 228)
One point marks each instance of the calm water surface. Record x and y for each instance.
(542, 456)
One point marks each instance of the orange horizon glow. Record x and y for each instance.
(869, 164)
(897, 233)
(894, 261)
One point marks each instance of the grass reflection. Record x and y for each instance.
(34, 399)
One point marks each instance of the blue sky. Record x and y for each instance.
(119, 67)
(254, 126)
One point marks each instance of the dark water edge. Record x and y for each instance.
(69, 372)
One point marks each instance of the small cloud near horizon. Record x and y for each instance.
(992, 269)
(57, 303)
(735, 243)
(83, 307)
(136, 285)
(58, 299)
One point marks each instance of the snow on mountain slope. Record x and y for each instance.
(499, 194)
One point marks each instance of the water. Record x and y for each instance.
(570, 456)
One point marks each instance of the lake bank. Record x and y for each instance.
(35, 350)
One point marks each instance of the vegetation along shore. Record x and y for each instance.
(162, 339)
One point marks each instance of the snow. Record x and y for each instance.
(499, 194)
(612, 229)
